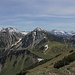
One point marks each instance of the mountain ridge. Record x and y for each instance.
(62, 33)
(20, 52)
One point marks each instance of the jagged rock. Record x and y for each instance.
(34, 38)
(9, 36)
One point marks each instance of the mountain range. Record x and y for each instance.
(37, 52)
(62, 33)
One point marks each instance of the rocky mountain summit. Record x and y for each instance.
(9, 36)
(34, 38)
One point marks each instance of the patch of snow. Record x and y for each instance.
(1, 28)
(40, 59)
(63, 32)
(38, 29)
(46, 48)
(24, 33)
(35, 33)
(13, 29)
(10, 29)
(16, 42)
(44, 37)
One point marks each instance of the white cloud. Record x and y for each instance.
(44, 15)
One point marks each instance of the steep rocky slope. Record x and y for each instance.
(8, 37)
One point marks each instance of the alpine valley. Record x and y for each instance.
(38, 52)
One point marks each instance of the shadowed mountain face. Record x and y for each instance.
(34, 38)
(71, 40)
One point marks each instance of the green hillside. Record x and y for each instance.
(68, 67)
(57, 51)
(54, 49)
(16, 62)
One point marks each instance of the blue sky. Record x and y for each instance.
(28, 14)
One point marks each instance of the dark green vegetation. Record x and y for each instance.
(62, 64)
(16, 61)
(65, 61)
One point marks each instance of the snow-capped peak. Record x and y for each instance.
(62, 33)
(13, 29)
(38, 29)
(58, 31)
(9, 29)
(24, 32)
